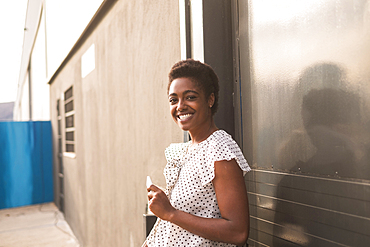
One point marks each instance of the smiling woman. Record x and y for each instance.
(205, 202)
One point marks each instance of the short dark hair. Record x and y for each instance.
(200, 73)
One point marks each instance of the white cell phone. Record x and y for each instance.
(148, 181)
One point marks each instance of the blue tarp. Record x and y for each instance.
(26, 172)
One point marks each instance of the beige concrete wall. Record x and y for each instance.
(122, 121)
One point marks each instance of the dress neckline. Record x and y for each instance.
(194, 146)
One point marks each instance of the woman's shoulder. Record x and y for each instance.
(220, 146)
(175, 150)
(221, 138)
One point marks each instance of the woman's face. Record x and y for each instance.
(188, 105)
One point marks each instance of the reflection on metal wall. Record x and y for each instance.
(310, 88)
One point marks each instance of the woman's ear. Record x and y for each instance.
(211, 100)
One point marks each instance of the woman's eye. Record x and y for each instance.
(172, 101)
(191, 97)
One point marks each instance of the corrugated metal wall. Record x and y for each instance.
(299, 210)
(305, 90)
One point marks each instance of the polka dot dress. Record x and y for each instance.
(189, 173)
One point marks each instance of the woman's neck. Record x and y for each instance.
(203, 134)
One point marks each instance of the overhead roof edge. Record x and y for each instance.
(99, 15)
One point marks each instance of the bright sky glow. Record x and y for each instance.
(12, 20)
(273, 11)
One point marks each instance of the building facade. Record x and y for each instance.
(111, 121)
(294, 79)
(47, 41)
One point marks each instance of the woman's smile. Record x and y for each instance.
(185, 117)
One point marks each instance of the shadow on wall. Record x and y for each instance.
(334, 140)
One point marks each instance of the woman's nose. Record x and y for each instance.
(181, 105)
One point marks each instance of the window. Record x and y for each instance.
(69, 121)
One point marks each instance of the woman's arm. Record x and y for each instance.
(232, 200)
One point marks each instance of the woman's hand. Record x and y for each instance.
(159, 203)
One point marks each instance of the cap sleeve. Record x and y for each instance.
(174, 151)
(221, 147)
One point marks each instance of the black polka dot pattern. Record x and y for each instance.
(189, 173)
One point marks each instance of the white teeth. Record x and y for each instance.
(182, 117)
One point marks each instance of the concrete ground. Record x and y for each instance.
(37, 225)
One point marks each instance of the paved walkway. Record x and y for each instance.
(38, 225)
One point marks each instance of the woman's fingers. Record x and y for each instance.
(158, 202)
(150, 195)
(153, 188)
(153, 191)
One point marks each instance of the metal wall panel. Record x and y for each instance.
(217, 37)
(307, 214)
(305, 90)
